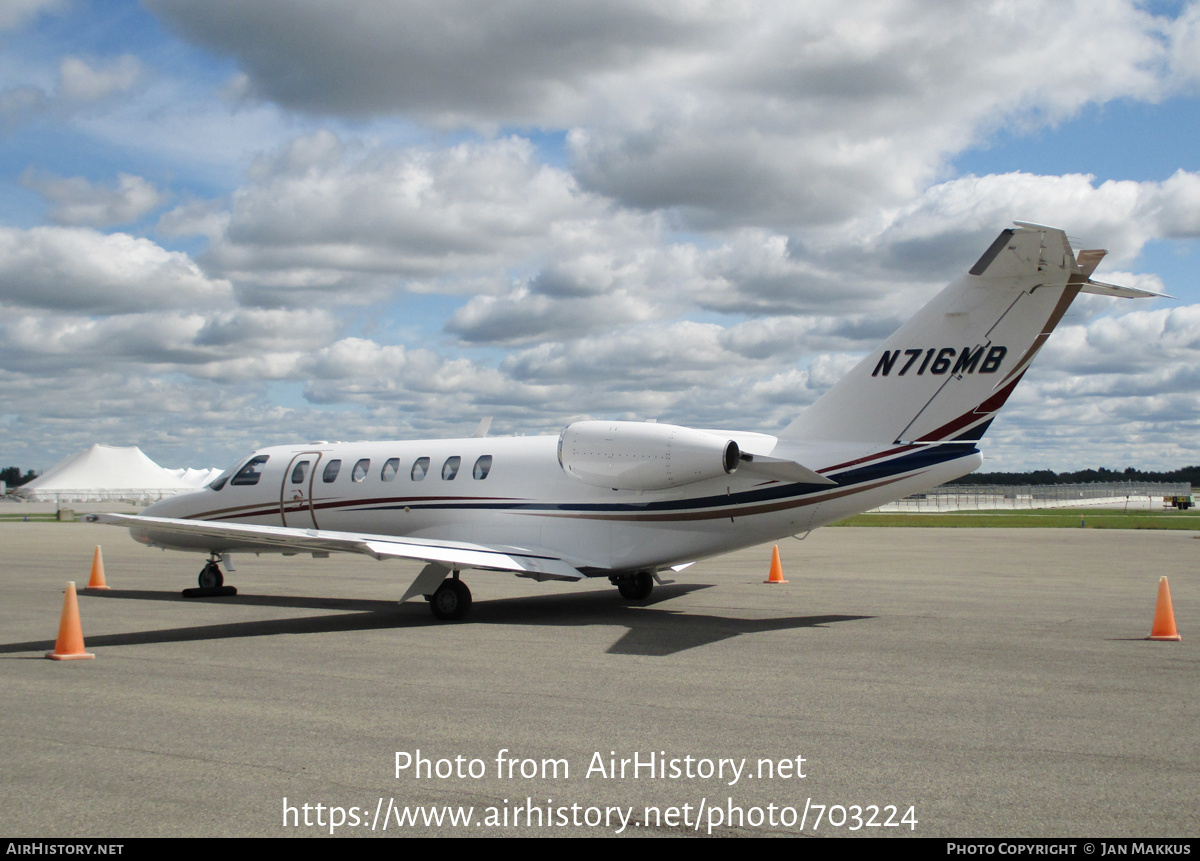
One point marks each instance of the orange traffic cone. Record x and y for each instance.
(69, 645)
(1164, 615)
(776, 568)
(97, 581)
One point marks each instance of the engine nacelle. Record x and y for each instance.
(643, 455)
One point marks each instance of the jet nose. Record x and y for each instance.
(180, 505)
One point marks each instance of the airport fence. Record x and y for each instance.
(133, 496)
(983, 497)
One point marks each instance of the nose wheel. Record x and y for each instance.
(211, 576)
(212, 580)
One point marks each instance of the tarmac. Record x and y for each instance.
(925, 682)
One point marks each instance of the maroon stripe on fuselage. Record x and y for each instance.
(979, 413)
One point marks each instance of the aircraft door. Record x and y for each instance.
(295, 497)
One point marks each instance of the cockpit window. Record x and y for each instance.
(450, 468)
(251, 472)
(219, 482)
(360, 469)
(299, 473)
(482, 467)
(331, 471)
(420, 468)
(390, 468)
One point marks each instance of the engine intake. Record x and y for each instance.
(642, 455)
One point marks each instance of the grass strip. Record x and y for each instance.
(1044, 519)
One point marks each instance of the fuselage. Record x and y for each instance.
(513, 492)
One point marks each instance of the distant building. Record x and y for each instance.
(105, 472)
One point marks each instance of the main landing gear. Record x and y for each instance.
(451, 601)
(634, 587)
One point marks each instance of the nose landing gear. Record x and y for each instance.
(211, 576)
(212, 580)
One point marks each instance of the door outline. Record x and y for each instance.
(298, 498)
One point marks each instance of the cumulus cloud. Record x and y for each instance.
(788, 337)
(77, 201)
(1129, 376)
(319, 210)
(1136, 342)
(829, 111)
(82, 270)
(418, 388)
(234, 345)
(673, 356)
(454, 59)
(762, 113)
(523, 316)
(926, 235)
(1184, 36)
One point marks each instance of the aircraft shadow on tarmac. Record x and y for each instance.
(653, 631)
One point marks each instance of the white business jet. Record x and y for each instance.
(629, 500)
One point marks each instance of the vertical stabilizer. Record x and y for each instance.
(945, 373)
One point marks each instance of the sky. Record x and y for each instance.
(225, 225)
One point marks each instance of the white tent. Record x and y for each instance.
(107, 472)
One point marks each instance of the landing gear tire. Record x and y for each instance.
(451, 601)
(211, 577)
(636, 587)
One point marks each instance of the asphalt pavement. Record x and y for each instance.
(925, 682)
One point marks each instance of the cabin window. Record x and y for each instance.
(360, 469)
(331, 471)
(482, 467)
(300, 472)
(251, 472)
(420, 469)
(450, 468)
(390, 468)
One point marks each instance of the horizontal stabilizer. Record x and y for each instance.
(1103, 289)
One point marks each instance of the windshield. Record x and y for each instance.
(219, 482)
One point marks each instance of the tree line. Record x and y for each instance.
(11, 476)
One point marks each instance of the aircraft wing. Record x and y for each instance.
(448, 554)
